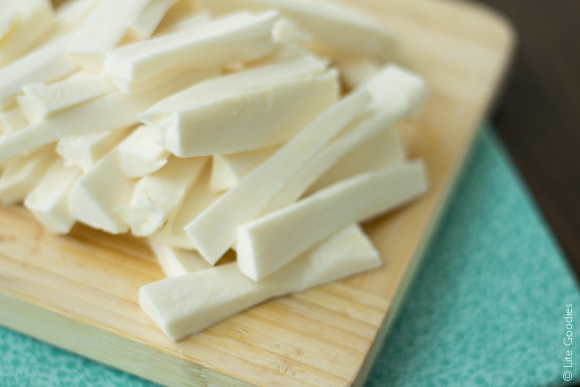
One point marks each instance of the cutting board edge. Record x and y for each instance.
(86, 334)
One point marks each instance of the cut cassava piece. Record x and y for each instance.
(196, 201)
(286, 32)
(106, 113)
(180, 11)
(76, 89)
(23, 173)
(253, 109)
(102, 30)
(140, 155)
(381, 151)
(23, 24)
(270, 242)
(214, 230)
(171, 25)
(292, 65)
(145, 23)
(333, 27)
(71, 14)
(156, 194)
(28, 109)
(43, 64)
(175, 261)
(228, 170)
(183, 305)
(159, 80)
(395, 93)
(97, 195)
(286, 52)
(238, 38)
(13, 120)
(360, 131)
(85, 150)
(298, 66)
(354, 71)
(49, 199)
(109, 112)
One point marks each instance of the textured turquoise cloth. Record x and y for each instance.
(486, 307)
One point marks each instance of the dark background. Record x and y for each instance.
(538, 114)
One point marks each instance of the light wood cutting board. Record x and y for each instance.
(80, 292)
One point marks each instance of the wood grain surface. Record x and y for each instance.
(538, 118)
(80, 291)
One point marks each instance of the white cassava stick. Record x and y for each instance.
(183, 305)
(110, 112)
(234, 39)
(214, 230)
(334, 27)
(268, 243)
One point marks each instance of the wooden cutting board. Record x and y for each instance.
(80, 292)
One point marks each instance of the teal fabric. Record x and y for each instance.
(486, 308)
(487, 305)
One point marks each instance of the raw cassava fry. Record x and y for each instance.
(71, 14)
(379, 152)
(214, 230)
(183, 305)
(140, 155)
(334, 28)
(156, 194)
(187, 23)
(145, 23)
(46, 63)
(239, 38)
(22, 173)
(252, 109)
(285, 176)
(109, 112)
(395, 93)
(268, 243)
(23, 24)
(13, 120)
(197, 200)
(286, 32)
(354, 71)
(215, 129)
(228, 169)
(85, 150)
(102, 30)
(49, 200)
(96, 196)
(176, 261)
(44, 100)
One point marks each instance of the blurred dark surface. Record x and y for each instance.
(538, 113)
